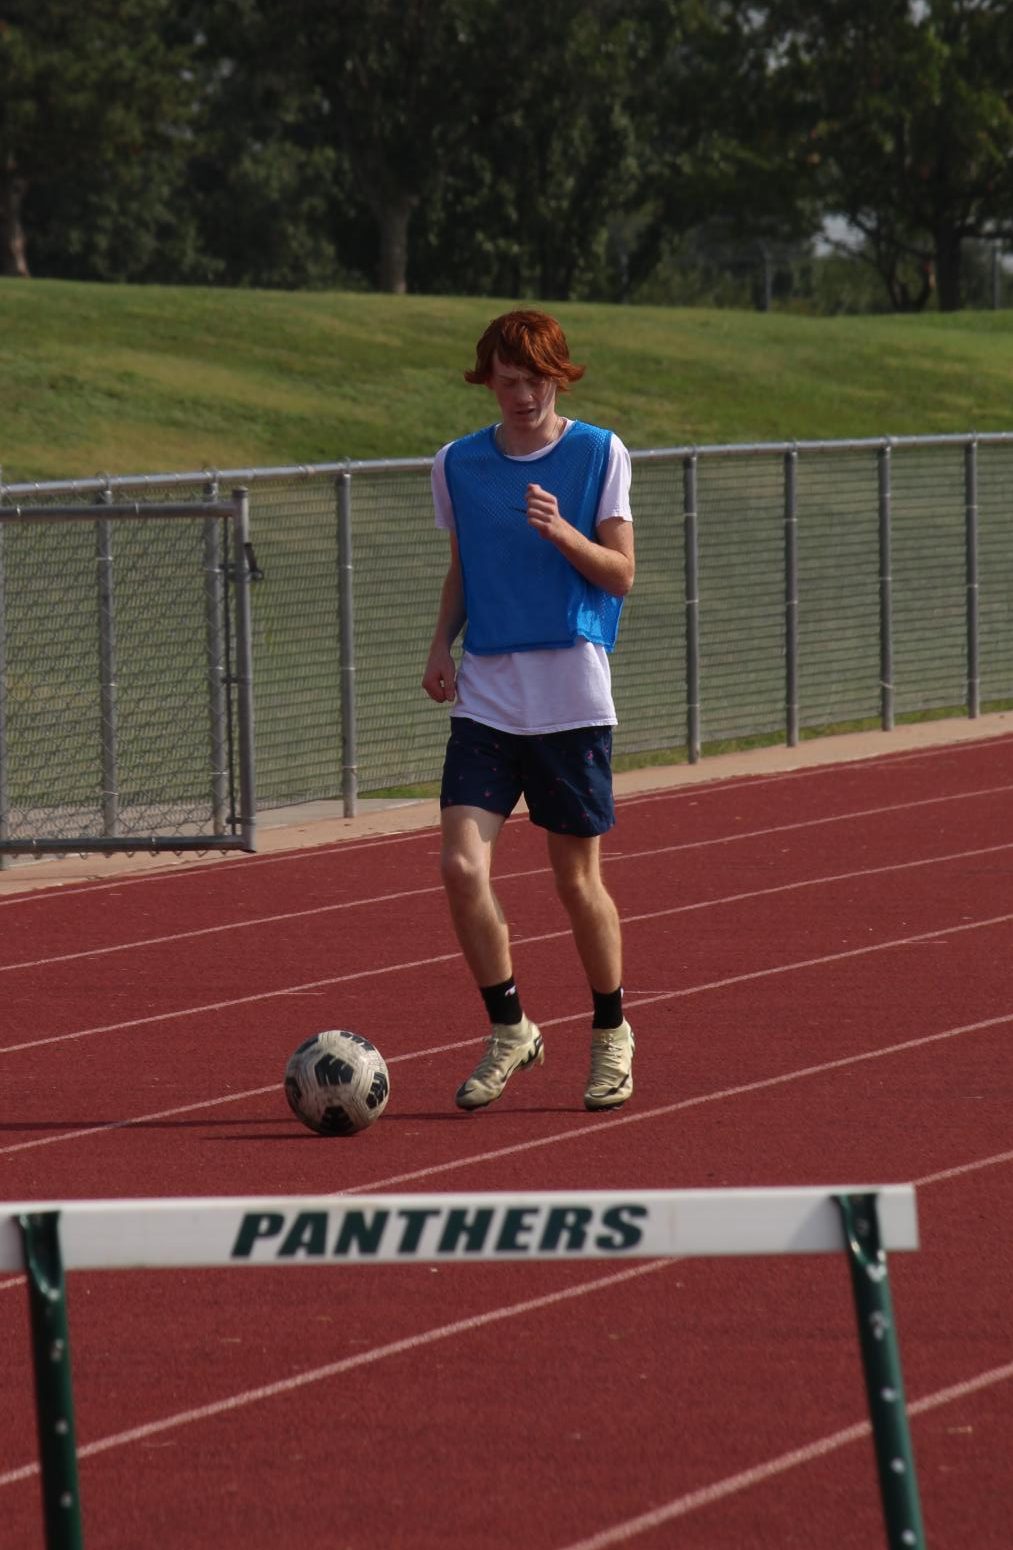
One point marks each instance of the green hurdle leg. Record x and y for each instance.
(877, 1333)
(54, 1400)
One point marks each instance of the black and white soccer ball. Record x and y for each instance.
(337, 1083)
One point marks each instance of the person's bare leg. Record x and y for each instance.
(597, 935)
(594, 919)
(469, 840)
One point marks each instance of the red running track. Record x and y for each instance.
(818, 971)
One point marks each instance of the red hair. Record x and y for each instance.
(531, 341)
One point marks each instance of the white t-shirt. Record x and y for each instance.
(527, 692)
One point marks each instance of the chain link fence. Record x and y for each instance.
(125, 665)
(782, 590)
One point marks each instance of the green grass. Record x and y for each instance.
(125, 379)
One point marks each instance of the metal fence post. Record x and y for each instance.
(54, 1403)
(884, 1385)
(349, 739)
(218, 698)
(692, 563)
(791, 602)
(4, 793)
(107, 670)
(885, 590)
(244, 667)
(971, 546)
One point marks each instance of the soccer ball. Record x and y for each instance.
(337, 1083)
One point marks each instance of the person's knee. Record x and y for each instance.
(579, 889)
(464, 876)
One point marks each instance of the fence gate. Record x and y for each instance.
(128, 725)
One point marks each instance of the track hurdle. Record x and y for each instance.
(45, 1239)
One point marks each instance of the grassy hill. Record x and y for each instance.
(123, 379)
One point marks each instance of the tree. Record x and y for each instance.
(373, 95)
(593, 143)
(908, 114)
(557, 138)
(265, 186)
(395, 83)
(88, 94)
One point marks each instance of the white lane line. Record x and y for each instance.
(680, 1507)
(203, 1103)
(940, 1177)
(960, 1169)
(524, 941)
(611, 859)
(347, 1364)
(680, 1105)
(199, 869)
(477, 1158)
(838, 769)
(759, 1474)
(239, 925)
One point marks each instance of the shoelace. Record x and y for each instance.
(607, 1059)
(497, 1056)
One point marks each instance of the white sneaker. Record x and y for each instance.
(610, 1082)
(510, 1048)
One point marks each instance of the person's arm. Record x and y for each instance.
(440, 679)
(607, 563)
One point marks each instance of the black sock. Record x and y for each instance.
(502, 1002)
(608, 1008)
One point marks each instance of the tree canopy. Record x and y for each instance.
(465, 146)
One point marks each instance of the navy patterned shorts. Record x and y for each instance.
(565, 777)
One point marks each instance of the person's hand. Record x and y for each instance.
(440, 678)
(544, 514)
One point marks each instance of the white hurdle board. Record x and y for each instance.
(371, 1229)
(45, 1238)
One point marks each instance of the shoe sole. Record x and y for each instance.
(536, 1057)
(611, 1101)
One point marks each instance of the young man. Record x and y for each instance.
(541, 557)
